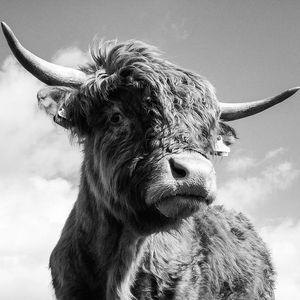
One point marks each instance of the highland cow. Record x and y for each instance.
(143, 226)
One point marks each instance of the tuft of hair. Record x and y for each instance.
(136, 66)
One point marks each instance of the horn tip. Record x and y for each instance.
(6, 30)
(293, 90)
(4, 26)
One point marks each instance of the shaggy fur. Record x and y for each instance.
(135, 115)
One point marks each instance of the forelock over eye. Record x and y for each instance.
(116, 118)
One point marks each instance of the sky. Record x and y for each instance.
(247, 49)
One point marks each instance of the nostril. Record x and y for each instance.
(178, 170)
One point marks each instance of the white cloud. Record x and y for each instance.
(274, 153)
(284, 240)
(244, 193)
(33, 211)
(21, 281)
(70, 57)
(280, 176)
(241, 164)
(39, 170)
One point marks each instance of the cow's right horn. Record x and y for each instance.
(235, 111)
(48, 73)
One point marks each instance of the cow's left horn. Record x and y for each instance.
(49, 73)
(234, 111)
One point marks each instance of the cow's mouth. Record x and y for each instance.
(175, 206)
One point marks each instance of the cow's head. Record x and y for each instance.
(149, 129)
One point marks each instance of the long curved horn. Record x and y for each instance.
(234, 111)
(48, 73)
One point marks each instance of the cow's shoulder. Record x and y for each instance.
(231, 255)
(218, 222)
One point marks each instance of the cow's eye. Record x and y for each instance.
(116, 118)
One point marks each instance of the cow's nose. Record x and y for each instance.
(189, 168)
(179, 169)
(183, 174)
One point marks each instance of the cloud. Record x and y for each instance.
(245, 193)
(39, 173)
(33, 211)
(274, 153)
(70, 57)
(243, 162)
(252, 180)
(284, 240)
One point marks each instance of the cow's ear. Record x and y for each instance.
(60, 103)
(56, 102)
(226, 137)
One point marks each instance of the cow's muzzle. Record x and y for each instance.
(181, 184)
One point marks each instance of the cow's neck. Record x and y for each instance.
(123, 268)
(115, 248)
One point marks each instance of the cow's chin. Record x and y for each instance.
(167, 213)
(180, 206)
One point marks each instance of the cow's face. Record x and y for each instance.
(148, 152)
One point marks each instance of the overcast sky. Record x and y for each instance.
(247, 49)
